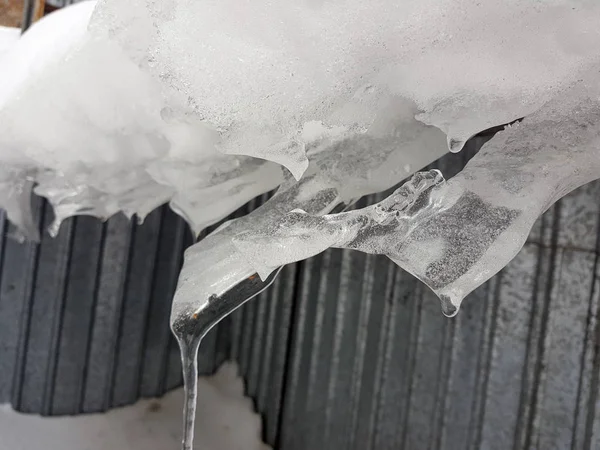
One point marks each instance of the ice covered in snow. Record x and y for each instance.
(166, 101)
(454, 235)
(78, 117)
(226, 421)
(127, 105)
(259, 71)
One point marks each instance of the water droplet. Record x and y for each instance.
(449, 309)
(54, 227)
(455, 145)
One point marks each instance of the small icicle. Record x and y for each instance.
(189, 334)
(54, 227)
(449, 309)
(189, 359)
(190, 325)
(455, 145)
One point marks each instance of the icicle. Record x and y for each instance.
(190, 325)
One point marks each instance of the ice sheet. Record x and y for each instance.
(150, 103)
(455, 235)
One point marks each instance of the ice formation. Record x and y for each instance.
(154, 102)
(258, 72)
(340, 171)
(454, 235)
(90, 129)
(123, 106)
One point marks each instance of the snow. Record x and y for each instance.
(139, 103)
(226, 421)
(259, 73)
(8, 37)
(104, 140)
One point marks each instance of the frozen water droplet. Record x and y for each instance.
(54, 227)
(449, 309)
(455, 145)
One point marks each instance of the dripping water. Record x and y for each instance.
(190, 327)
(449, 309)
(455, 145)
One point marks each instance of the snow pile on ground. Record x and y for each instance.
(225, 421)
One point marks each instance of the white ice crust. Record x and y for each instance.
(123, 106)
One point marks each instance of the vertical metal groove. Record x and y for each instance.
(594, 342)
(530, 438)
(527, 398)
(25, 319)
(382, 349)
(92, 319)
(444, 386)
(360, 345)
(412, 360)
(485, 362)
(586, 407)
(119, 320)
(56, 329)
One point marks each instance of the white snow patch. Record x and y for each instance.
(225, 421)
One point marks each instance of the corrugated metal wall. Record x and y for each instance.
(345, 351)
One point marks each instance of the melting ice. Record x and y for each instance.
(454, 235)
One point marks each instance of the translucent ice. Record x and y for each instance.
(340, 171)
(455, 235)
